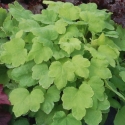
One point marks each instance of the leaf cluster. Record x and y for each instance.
(64, 66)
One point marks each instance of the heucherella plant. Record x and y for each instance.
(64, 66)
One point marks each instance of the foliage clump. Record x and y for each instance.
(64, 66)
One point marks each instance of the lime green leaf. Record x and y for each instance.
(70, 70)
(10, 25)
(69, 12)
(23, 101)
(40, 72)
(122, 75)
(60, 118)
(61, 73)
(110, 54)
(94, 52)
(78, 100)
(58, 53)
(120, 117)
(28, 25)
(47, 17)
(47, 32)
(14, 52)
(52, 95)
(97, 86)
(93, 19)
(81, 66)
(3, 15)
(70, 44)
(99, 68)
(71, 31)
(39, 53)
(93, 117)
(104, 40)
(60, 26)
(18, 12)
(56, 71)
(23, 75)
(104, 104)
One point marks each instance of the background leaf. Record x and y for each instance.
(120, 117)
(61, 118)
(52, 95)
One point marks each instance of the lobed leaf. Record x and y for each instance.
(27, 101)
(98, 67)
(69, 45)
(16, 56)
(41, 73)
(52, 95)
(47, 16)
(81, 66)
(23, 75)
(93, 117)
(39, 53)
(61, 73)
(73, 12)
(81, 99)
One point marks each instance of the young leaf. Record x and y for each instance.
(99, 68)
(14, 52)
(40, 72)
(69, 45)
(39, 53)
(23, 75)
(52, 95)
(78, 100)
(23, 101)
(61, 118)
(81, 66)
(120, 117)
(93, 117)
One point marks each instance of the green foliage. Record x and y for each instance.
(27, 101)
(64, 66)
